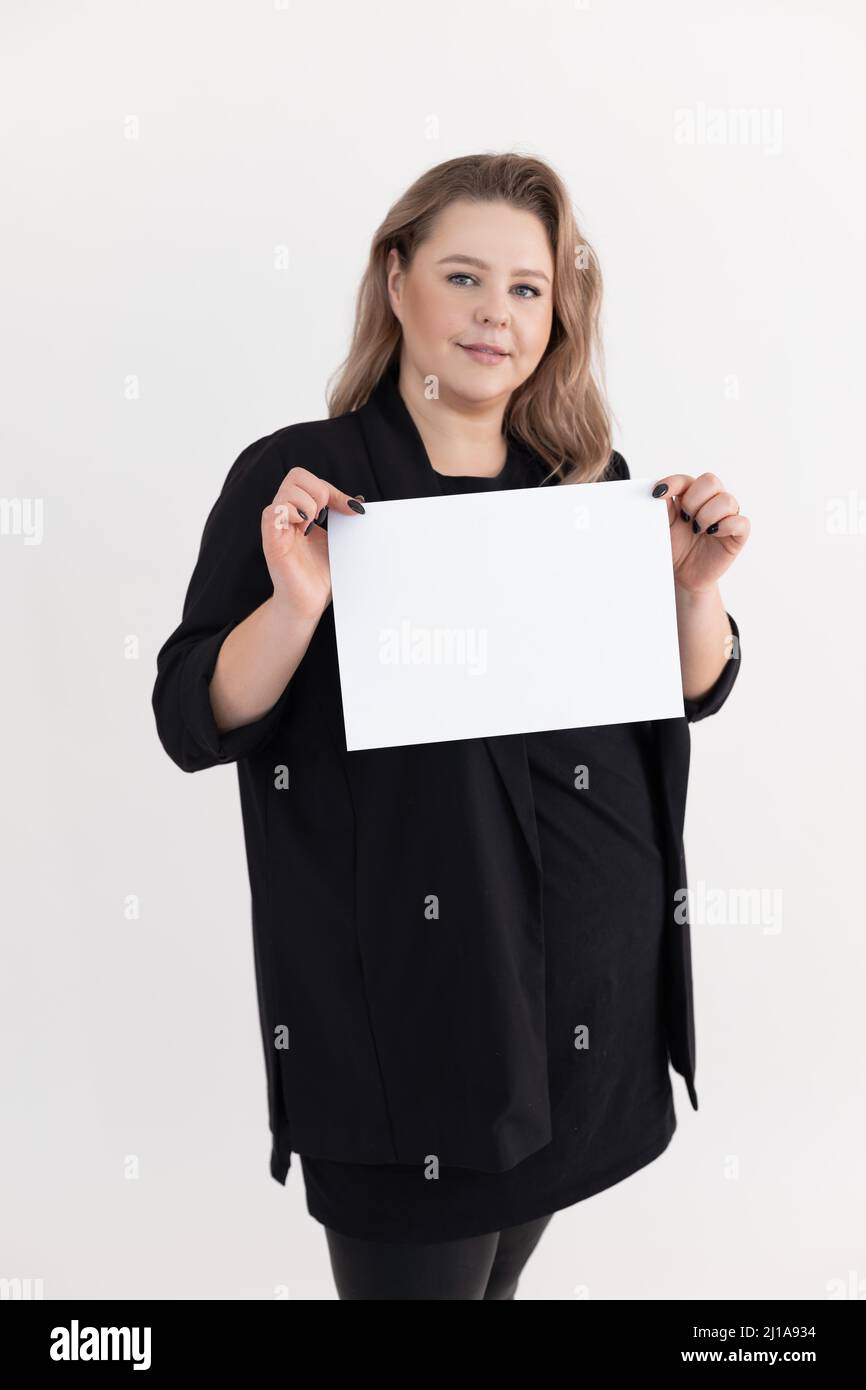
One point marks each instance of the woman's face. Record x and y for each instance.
(485, 275)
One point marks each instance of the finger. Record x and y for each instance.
(721, 504)
(345, 503)
(325, 494)
(674, 485)
(279, 522)
(737, 527)
(699, 492)
(300, 482)
(671, 487)
(297, 504)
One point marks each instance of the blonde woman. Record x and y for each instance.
(472, 960)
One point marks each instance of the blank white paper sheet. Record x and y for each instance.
(487, 613)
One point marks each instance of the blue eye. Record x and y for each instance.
(462, 275)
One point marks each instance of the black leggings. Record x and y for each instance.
(479, 1267)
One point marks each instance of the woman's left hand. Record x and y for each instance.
(707, 530)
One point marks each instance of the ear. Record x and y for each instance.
(393, 285)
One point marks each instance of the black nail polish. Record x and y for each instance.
(303, 514)
(356, 506)
(308, 529)
(685, 516)
(660, 490)
(321, 515)
(711, 530)
(695, 526)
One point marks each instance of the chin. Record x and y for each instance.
(466, 385)
(486, 379)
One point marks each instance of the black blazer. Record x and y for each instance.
(390, 1032)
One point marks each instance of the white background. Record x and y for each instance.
(155, 158)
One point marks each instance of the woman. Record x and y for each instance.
(472, 957)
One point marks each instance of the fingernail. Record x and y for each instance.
(660, 490)
(321, 515)
(685, 516)
(695, 526)
(711, 530)
(303, 514)
(308, 529)
(356, 506)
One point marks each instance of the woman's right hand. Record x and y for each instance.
(295, 550)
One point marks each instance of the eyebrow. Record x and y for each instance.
(482, 265)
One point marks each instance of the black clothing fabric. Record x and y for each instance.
(603, 911)
(479, 1268)
(384, 1041)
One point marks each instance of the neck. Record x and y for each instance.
(457, 441)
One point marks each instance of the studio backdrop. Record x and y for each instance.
(190, 193)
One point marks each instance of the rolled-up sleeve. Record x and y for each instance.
(230, 580)
(713, 699)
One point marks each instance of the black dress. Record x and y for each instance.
(612, 1110)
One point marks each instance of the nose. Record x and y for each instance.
(499, 318)
(497, 310)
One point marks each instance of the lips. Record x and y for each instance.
(485, 347)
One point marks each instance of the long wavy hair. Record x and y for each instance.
(560, 412)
